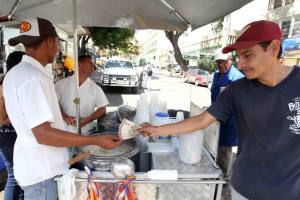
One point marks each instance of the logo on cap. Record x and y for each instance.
(25, 26)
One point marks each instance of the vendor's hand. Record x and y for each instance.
(108, 141)
(70, 120)
(147, 129)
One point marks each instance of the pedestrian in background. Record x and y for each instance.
(223, 77)
(8, 138)
(148, 71)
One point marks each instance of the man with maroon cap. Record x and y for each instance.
(40, 151)
(266, 106)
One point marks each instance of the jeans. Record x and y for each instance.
(12, 190)
(45, 190)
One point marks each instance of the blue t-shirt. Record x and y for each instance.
(227, 129)
(267, 165)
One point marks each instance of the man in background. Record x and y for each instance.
(223, 77)
(93, 101)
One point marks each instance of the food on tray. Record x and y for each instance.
(127, 129)
(98, 151)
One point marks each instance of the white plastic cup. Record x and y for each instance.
(190, 147)
(179, 116)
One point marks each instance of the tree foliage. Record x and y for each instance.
(116, 40)
(217, 25)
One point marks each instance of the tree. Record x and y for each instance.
(217, 25)
(116, 40)
(173, 36)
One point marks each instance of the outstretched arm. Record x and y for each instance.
(47, 135)
(200, 121)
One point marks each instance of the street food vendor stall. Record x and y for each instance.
(177, 16)
(159, 171)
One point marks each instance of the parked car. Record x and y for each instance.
(96, 76)
(121, 73)
(198, 77)
(190, 68)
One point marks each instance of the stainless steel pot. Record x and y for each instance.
(103, 163)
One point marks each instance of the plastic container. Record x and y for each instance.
(142, 112)
(179, 116)
(161, 118)
(190, 147)
(163, 174)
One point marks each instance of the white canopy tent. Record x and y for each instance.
(176, 15)
(136, 14)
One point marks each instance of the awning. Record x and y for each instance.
(137, 14)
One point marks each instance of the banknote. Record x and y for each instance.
(127, 129)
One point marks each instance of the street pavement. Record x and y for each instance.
(177, 93)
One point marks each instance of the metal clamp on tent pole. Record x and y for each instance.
(176, 13)
(77, 104)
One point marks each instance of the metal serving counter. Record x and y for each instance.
(201, 181)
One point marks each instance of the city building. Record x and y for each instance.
(156, 49)
(202, 42)
(287, 14)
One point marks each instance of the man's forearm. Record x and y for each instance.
(47, 135)
(189, 125)
(100, 112)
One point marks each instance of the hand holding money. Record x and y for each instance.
(127, 129)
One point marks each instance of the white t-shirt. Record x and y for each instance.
(90, 94)
(30, 100)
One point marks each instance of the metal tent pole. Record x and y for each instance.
(75, 55)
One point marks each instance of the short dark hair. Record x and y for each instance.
(13, 59)
(82, 58)
(265, 45)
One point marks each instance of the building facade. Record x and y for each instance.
(287, 14)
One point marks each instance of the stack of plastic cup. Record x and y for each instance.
(190, 149)
(154, 105)
(142, 110)
(179, 116)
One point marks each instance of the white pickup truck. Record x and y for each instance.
(121, 73)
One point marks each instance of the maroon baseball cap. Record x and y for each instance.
(32, 31)
(255, 33)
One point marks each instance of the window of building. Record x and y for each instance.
(287, 2)
(285, 27)
(296, 29)
(277, 3)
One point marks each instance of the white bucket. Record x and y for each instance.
(190, 148)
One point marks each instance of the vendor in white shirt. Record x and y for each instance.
(93, 101)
